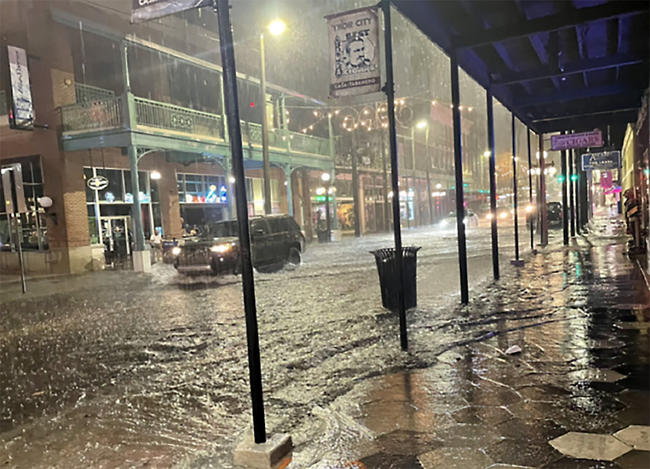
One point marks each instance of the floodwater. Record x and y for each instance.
(116, 369)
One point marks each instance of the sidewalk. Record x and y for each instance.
(577, 396)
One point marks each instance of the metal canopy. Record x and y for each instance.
(556, 64)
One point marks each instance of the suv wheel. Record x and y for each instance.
(293, 259)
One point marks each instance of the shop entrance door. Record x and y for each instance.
(117, 234)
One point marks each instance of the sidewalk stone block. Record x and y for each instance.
(590, 446)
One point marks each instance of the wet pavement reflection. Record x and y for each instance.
(121, 370)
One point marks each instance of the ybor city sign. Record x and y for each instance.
(581, 140)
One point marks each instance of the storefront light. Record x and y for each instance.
(155, 175)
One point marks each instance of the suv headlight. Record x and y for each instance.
(220, 248)
(176, 251)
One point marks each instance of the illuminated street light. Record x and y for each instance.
(421, 124)
(487, 153)
(325, 177)
(277, 27)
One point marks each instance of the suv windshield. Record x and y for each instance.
(222, 229)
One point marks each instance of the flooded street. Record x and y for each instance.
(117, 369)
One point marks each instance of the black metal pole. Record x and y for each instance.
(543, 212)
(565, 206)
(458, 165)
(576, 193)
(232, 113)
(382, 140)
(355, 186)
(530, 190)
(493, 186)
(389, 89)
(572, 218)
(514, 185)
(328, 217)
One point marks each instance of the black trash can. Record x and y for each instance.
(389, 276)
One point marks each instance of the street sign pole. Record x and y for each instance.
(389, 89)
(458, 166)
(232, 113)
(530, 190)
(572, 218)
(565, 207)
(493, 186)
(514, 187)
(19, 247)
(542, 194)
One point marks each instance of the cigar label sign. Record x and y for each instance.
(354, 52)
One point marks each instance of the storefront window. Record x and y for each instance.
(200, 189)
(114, 191)
(33, 233)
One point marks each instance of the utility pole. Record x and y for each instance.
(265, 131)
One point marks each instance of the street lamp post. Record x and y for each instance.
(326, 179)
(276, 28)
(423, 124)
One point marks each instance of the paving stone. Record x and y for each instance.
(407, 443)
(468, 435)
(543, 393)
(638, 408)
(476, 414)
(634, 460)
(508, 466)
(571, 463)
(384, 461)
(637, 436)
(523, 453)
(590, 446)
(596, 375)
(455, 458)
(540, 430)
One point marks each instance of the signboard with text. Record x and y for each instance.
(604, 160)
(580, 140)
(354, 52)
(144, 10)
(21, 114)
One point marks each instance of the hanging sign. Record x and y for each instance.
(144, 10)
(581, 140)
(21, 114)
(354, 52)
(97, 183)
(603, 160)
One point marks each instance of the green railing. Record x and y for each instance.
(177, 119)
(85, 93)
(99, 114)
(308, 144)
(105, 112)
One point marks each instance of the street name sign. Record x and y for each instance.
(353, 38)
(604, 160)
(580, 140)
(145, 10)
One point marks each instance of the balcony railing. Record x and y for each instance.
(104, 112)
(101, 114)
(309, 144)
(86, 93)
(177, 119)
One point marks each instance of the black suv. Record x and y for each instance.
(554, 214)
(276, 240)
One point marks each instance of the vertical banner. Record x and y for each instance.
(354, 52)
(21, 115)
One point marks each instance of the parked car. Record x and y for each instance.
(471, 220)
(276, 240)
(554, 214)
